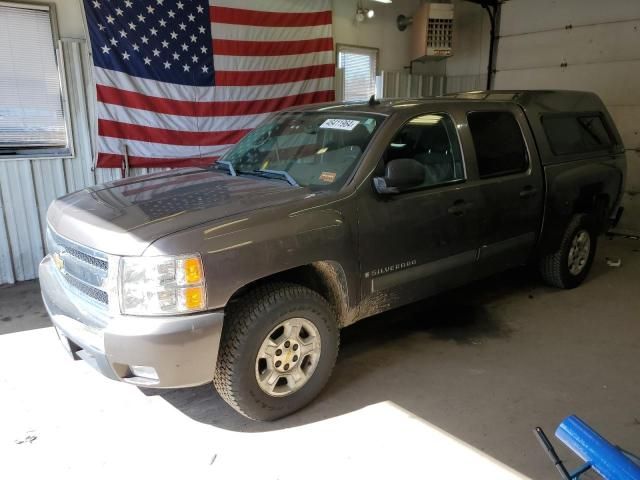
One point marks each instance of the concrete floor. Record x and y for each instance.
(485, 364)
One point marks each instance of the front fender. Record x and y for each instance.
(240, 251)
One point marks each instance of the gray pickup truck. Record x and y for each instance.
(243, 274)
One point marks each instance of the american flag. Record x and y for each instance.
(180, 81)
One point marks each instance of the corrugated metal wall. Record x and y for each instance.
(28, 186)
(404, 84)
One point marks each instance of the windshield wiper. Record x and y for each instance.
(232, 171)
(279, 174)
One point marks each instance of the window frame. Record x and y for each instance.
(347, 46)
(460, 149)
(577, 115)
(43, 153)
(526, 170)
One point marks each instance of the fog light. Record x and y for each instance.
(144, 372)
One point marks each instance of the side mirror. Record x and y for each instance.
(400, 174)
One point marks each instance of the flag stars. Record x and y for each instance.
(171, 37)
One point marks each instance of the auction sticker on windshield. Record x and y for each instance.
(328, 177)
(340, 123)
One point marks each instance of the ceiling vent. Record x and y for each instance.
(431, 31)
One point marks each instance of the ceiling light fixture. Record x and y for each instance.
(363, 13)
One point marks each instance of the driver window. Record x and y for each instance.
(430, 140)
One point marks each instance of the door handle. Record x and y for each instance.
(528, 191)
(459, 207)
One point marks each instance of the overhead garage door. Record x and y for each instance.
(580, 45)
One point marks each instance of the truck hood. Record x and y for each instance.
(124, 217)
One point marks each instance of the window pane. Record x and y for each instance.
(31, 112)
(498, 141)
(319, 150)
(431, 140)
(359, 65)
(576, 134)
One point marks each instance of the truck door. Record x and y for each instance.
(511, 185)
(417, 242)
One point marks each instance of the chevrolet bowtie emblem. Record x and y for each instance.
(57, 260)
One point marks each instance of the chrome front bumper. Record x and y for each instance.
(181, 349)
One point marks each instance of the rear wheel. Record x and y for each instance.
(570, 264)
(278, 348)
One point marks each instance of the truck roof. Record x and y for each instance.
(532, 101)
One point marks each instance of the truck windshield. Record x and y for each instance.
(318, 150)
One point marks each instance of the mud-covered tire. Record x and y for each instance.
(554, 267)
(247, 324)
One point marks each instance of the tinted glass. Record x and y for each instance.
(576, 133)
(317, 149)
(500, 148)
(431, 140)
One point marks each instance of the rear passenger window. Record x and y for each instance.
(569, 134)
(498, 141)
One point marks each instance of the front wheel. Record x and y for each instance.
(279, 345)
(570, 264)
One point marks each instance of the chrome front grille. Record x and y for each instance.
(85, 270)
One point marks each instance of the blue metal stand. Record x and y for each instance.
(610, 461)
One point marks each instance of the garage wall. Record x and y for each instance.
(27, 186)
(467, 68)
(379, 32)
(580, 45)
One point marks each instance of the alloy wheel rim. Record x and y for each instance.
(288, 357)
(579, 252)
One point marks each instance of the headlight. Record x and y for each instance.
(161, 285)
